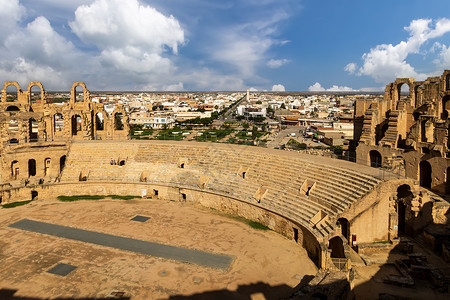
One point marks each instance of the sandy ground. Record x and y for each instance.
(266, 265)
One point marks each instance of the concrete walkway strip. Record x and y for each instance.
(217, 261)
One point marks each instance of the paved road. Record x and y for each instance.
(218, 261)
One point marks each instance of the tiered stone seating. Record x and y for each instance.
(279, 174)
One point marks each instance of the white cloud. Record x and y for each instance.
(252, 89)
(11, 13)
(114, 23)
(278, 88)
(174, 87)
(276, 63)
(316, 87)
(351, 68)
(385, 62)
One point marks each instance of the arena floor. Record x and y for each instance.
(264, 265)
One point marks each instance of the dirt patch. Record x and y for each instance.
(265, 262)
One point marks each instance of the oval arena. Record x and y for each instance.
(322, 206)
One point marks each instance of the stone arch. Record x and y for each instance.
(76, 122)
(13, 125)
(58, 122)
(33, 130)
(62, 163)
(118, 121)
(336, 245)
(418, 90)
(404, 196)
(426, 131)
(345, 228)
(73, 92)
(33, 98)
(447, 181)
(15, 169)
(447, 81)
(425, 171)
(12, 108)
(31, 167)
(375, 159)
(5, 93)
(445, 107)
(100, 121)
(47, 165)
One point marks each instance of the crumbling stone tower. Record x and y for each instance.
(408, 134)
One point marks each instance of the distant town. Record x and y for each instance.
(297, 121)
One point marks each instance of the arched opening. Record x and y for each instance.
(62, 163)
(417, 95)
(118, 121)
(11, 93)
(445, 107)
(244, 174)
(31, 167)
(47, 163)
(34, 195)
(13, 141)
(345, 228)
(425, 174)
(58, 122)
(33, 130)
(12, 108)
(404, 195)
(122, 163)
(337, 247)
(182, 165)
(403, 91)
(79, 93)
(99, 121)
(15, 170)
(13, 125)
(401, 212)
(426, 131)
(447, 181)
(375, 159)
(447, 82)
(76, 124)
(35, 94)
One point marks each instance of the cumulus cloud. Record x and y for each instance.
(276, 63)
(317, 87)
(278, 88)
(385, 62)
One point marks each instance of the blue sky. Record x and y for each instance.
(292, 45)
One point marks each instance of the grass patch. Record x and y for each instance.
(252, 224)
(14, 204)
(93, 197)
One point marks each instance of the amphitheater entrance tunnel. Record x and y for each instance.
(345, 228)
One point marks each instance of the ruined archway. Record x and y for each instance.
(12, 91)
(13, 125)
(417, 95)
(31, 167)
(345, 228)
(425, 174)
(58, 120)
(78, 93)
(12, 108)
(76, 124)
(118, 121)
(15, 170)
(33, 130)
(445, 107)
(404, 196)
(403, 91)
(375, 159)
(36, 92)
(47, 164)
(99, 121)
(447, 181)
(62, 163)
(336, 245)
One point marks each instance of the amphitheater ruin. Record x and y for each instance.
(334, 209)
